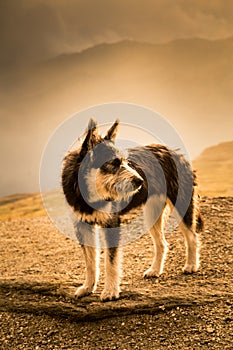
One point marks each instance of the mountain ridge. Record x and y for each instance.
(215, 168)
(189, 41)
(188, 82)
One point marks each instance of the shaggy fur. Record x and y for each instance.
(102, 187)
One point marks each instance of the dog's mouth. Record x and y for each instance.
(125, 189)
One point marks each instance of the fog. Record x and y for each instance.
(54, 62)
(40, 29)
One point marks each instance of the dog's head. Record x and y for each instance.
(105, 173)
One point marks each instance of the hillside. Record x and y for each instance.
(187, 81)
(215, 170)
(40, 269)
(21, 206)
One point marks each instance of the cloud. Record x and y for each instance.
(36, 30)
(29, 31)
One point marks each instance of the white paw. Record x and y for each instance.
(151, 273)
(190, 268)
(82, 292)
(110, 294)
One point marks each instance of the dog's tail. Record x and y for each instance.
(199, 223)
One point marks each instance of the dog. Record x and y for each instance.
(103, 186)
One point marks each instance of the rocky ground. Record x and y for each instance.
(41, 268)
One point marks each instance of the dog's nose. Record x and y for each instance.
(137, 182)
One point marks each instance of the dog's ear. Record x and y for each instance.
(112, 132)
(91, 137)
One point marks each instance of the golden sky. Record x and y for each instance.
(32, 30)
(187, 81)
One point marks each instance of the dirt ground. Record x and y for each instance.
(41, 268)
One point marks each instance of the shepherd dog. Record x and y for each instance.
(103, 185)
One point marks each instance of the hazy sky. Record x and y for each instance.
(33, 104)
(32, 30)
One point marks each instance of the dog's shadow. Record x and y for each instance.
(56, 301)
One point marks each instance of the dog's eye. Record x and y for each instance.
(111, 166)
(116, 162)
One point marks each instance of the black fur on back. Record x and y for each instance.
(164, 172)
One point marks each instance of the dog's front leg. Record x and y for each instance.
(86, 235)
(112, 274)
(91, 255)
(111, 241)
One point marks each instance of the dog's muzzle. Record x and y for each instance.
(137, 183)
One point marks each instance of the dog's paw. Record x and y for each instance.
(82, 292)
(108, 295)
(151, 274)
(190, 268)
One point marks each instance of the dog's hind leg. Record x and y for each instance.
(189, 227)
(88, 238)
(156, 225)
(192, 244)
(160, 250)
(112, 266)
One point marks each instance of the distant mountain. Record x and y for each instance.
(187, 81)
(215, 170)
(21, 206)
